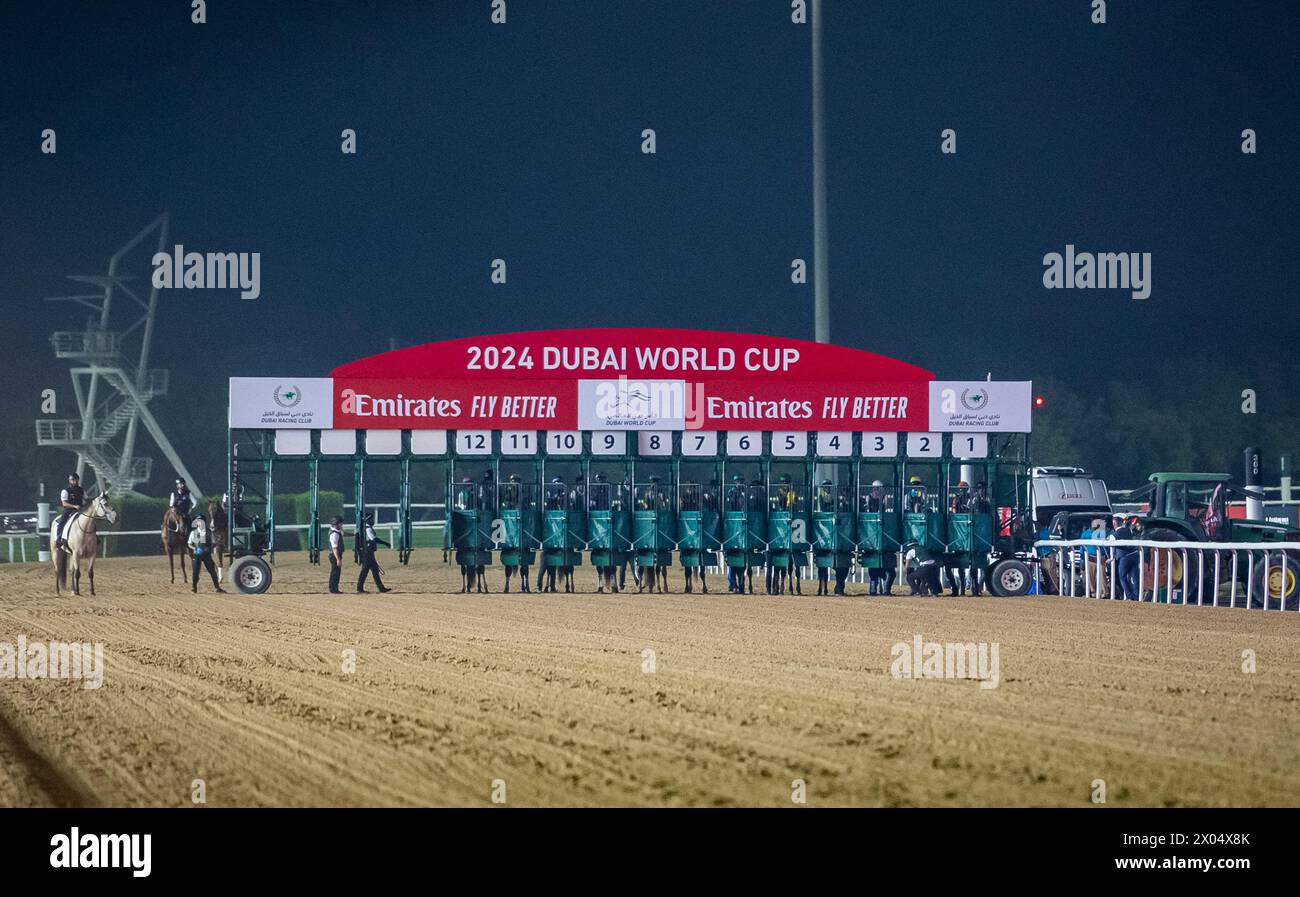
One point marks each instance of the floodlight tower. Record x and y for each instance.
(821, 290)
(112, 388)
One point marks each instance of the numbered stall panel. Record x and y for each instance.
(608, 442)
(518, 442)
(428, 442)
(564, 442)
(835, 445)
(970, 445)
(473, 442)
(789, 444)
(338, 442)
(744, 444)
(383, 442)
(293, 442)
(879, 445)
(700, 444)
(654, 445)
(925, 445)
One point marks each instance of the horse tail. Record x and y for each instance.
(60, 569)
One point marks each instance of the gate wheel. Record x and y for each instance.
(251, 575)
(1009, 577)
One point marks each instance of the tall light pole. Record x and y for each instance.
(821, 297)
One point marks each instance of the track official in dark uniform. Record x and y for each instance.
(369, 566)
(336, 554)
(200, 542)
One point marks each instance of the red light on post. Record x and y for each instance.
(1038, 401)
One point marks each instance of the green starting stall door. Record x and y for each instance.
(698, 521)
(970, 534)
(926, 529)
(735, 538)
(607, 527)
(780, 538)
(518, 537)
(833, 543)
(690, 532)
(879, 535)
(652, 538)
(468, 538)
(563, 537)
(600, 537)
(517, 529)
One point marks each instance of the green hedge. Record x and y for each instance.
(146, 513)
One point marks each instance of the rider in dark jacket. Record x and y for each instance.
(70, 500)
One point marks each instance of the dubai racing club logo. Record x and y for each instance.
(287, 397)
(974, 399)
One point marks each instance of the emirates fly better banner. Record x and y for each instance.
(631, 380)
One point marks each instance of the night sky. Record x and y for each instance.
(523, 141)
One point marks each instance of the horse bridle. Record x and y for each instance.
(94, 506)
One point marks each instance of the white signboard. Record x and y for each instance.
(625, 403)
(285, 403)
(969, 406)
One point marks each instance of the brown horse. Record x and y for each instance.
(83, 544)
(217, 525)
(175, 540)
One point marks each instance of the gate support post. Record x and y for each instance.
(359, 498)
(404, 510)
(313, 516)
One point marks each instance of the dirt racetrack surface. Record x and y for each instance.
(549, 694)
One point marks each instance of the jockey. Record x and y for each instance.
(183, 502)
(71, 500)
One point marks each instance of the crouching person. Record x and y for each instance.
(200, 542)
(923, 574)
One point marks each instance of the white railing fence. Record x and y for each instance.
(1234, 574)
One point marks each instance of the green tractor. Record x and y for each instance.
(1193, 507)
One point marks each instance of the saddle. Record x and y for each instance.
(63, 532)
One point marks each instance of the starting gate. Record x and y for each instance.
(773, 454)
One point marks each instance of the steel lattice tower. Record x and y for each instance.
(111, 377)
